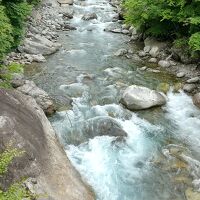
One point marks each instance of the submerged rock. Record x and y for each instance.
(24, 125)
(138, 98)
(89, 16)
(97, 126)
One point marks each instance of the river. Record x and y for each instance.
(159, 159)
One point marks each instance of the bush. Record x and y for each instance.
(6, 30)
(168, 19)
(16, 191)
(13, 14)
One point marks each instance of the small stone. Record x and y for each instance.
(121, 52)
(180, 74)
(153, 70)
(189, 87)
(116, 30)
(153, 60)
(142, 54)
(143, 68)
(193, 80)
(147, 49)
(125, 31)
(134, 38)
(164, 63)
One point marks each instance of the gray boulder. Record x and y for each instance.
(138, 98)
(39, 45)
(41, 97)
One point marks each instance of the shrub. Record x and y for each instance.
(13, 14)
(6, 30)
(171, 19)
(16, 191)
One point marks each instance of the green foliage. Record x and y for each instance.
(172, 19)
(6, 30)
(13, 15)
(15, 68)
(194, 41)
(6, 157)
(16, 191)
(17, 12)
(8, 72)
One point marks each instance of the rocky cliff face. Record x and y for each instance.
(24, 124)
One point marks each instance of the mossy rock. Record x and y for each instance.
(177, 87)
(163, 87)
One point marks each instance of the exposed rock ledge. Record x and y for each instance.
(23, 123)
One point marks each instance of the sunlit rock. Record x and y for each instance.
(138, 98)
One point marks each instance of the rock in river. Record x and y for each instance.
(196, 100)
(97, 126)
(138, 98)
(24, 125)
(89, 16)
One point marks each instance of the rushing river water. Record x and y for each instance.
(159, 159)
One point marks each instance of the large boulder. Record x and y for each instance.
(89, 16)
(138, 98)
(41, 97)
(196, 100)
(38, 44)
(24, 125)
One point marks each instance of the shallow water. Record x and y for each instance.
(160, 157)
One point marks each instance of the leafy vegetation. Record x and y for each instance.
(168, 19)
(13, 14)
(7, 74)
(16, 191)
